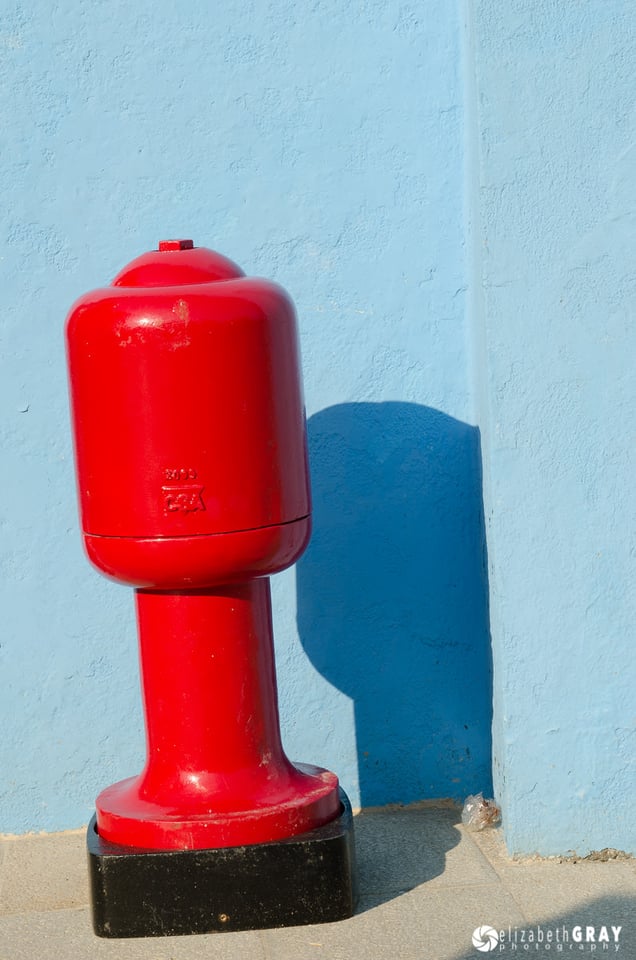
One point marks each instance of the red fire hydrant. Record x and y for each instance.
(192, 474)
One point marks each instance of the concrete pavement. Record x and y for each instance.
(426, 885)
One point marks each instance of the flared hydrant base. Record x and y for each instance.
(308, 878)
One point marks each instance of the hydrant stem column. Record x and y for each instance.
(216, 774)
(209, 684)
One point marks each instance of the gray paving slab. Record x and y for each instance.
(43, 872)
(564, 894)
(491, 845)
(548, 886)
(426, 884)
(427, 923)
(68, 935)
(398, 849)
(3, 847)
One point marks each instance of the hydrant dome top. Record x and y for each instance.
(176, 263)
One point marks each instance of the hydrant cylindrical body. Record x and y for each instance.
(189, 423)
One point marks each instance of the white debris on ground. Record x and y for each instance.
(479, 812)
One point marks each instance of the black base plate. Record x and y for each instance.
(151, 893)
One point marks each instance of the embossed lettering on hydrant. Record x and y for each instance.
(182, 497)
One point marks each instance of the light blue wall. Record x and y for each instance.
(447, 193)
(321, 145)
(551, 139)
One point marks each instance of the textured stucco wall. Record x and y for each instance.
(552, 142)
(319, 144)
(382, 162)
